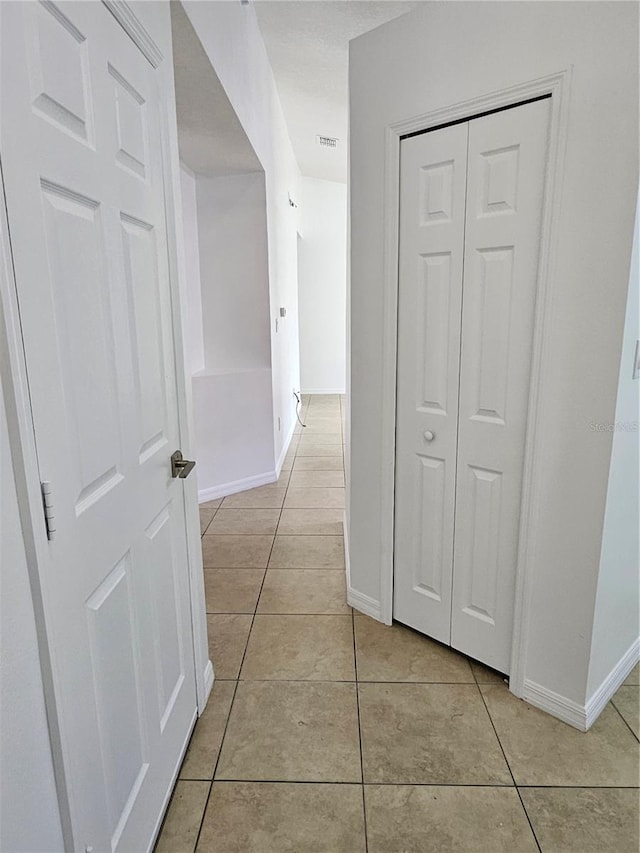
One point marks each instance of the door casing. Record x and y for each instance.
(558, 86)
(13, 375)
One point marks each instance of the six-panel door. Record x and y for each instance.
(82, 164)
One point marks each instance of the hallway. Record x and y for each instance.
(311, 698)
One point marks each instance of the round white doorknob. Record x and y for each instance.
(429, 436)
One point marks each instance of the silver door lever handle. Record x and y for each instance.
(181, 467)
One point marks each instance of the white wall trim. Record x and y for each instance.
(285, 446)
(596, 704)
(358, 600)
(553, 703)
(208, 684)
(347, 557)
(225, 489)
(582, 717)
(558, 86)
(130, 23)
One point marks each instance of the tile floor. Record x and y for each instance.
(327, 731)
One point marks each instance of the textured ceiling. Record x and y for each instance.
(308, 46)
(210, 137)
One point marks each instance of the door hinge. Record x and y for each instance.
(47, 505)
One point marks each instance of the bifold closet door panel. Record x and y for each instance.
(505, 183)
(432, 204)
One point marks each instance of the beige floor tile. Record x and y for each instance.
(311, 522)
(315, 427)
(634, 675)
(214, 504)
(281, 817)
(304, 591)
(227, 552)
(303, 648)
(264, 497)
(321, 438)
(228, 635)
(627, 701)
(202, 754)
(245, 521)
(182, 823)
(305, 498)
(287, 465)
(292, 731)
(542, 750)
(429, 733)
(485, 675)
(583, 820)
(285, 477)
(307, 552)
(395, 653)
(318, 463)
(206, 517)
(309, 449)
(317, 479)
(408, 819)
(232, 590)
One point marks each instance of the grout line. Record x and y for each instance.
(504, 754)
(611, 702)
(417, 784)
(355, 666)
(213, 775)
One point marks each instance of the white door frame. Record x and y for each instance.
(15, 388)
(558, 86)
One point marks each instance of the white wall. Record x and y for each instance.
(29, 817)
(322, 285)
(446, 53)
(616, 624)
(234, 271)
(194, 341)
(230, 35)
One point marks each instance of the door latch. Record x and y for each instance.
(181, 467)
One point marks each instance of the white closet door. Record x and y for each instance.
(507, 159)
(81, 139)
(432, 205)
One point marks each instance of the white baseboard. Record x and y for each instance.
(225, 489)
(364, 604)
(208, 685)
(347, 559)
(358, 600)
(323, 391)
(285, 448)
(603, 694)
(553, 703)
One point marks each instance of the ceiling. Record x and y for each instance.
(210, 137)
(308, 46)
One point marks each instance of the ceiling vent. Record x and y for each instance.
(327, 141)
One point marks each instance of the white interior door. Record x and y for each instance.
(507, 160)
(81, 144)
(470, 214)
(432, 199)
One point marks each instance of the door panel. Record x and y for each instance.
(432, 199)
(469, 193)
(507, 160)
(85, 199)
